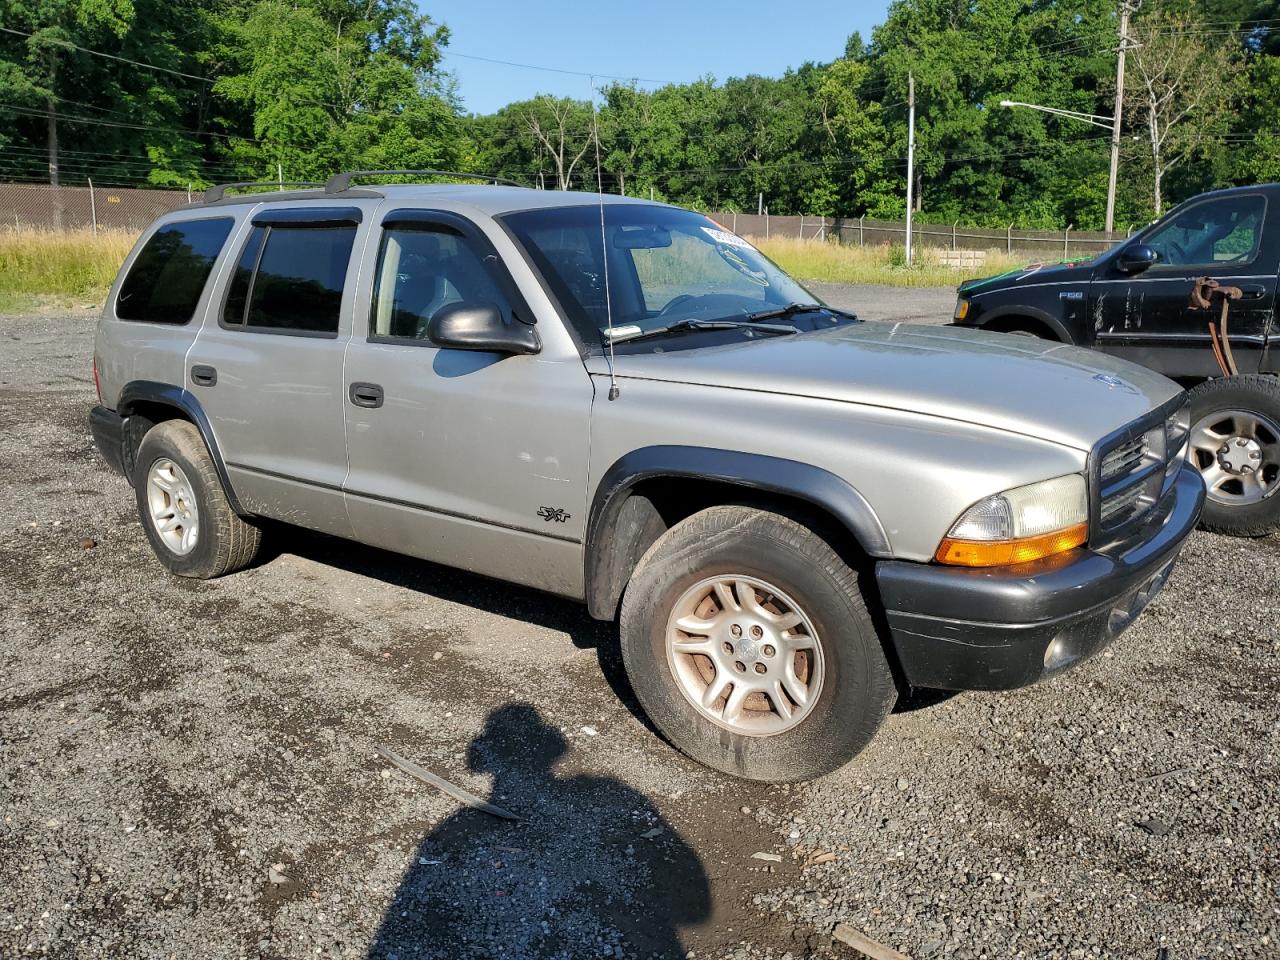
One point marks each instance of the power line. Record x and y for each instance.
(98, 122)
(111, 56)
(573, 73)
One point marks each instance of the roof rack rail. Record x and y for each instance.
(218, 191)
(342, 181)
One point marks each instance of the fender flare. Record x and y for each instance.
(169, 395)
(606, 577)
(1033, 313)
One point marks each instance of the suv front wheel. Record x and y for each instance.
(184, 510)
(749, 645)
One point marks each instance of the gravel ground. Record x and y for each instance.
(190, 769)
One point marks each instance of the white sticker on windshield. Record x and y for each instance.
(727, 238)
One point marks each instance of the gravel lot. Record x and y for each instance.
(190, 769)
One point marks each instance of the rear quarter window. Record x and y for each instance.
(170, 272)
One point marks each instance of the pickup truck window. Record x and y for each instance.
(166, 280)
(421, 270)
(290, 279)
(665, 265)
(1227, 230)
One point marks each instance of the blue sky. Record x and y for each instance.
(657, 39)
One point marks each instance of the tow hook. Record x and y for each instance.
(1203, 291)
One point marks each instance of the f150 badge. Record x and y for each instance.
(553, 513)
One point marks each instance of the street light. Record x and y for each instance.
(1107, 123)
(1093, 118)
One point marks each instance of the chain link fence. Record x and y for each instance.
(69, 208)
(76, 208)
(860, 231)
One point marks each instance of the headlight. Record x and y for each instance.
(1019, 525)
(962, 308)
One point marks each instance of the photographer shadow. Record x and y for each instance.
(591, 869)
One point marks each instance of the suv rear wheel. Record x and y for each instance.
(183, 508)
(749, 645)
(1235, 443)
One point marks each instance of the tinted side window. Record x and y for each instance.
(238, 292)
(291, 279)
(420, 271)
(1216, 232)
(169, 274)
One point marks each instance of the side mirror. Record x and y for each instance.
(1136, 258)
(479, 326)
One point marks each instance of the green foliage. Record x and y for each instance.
(249, 88)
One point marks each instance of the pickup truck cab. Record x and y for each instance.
(1135, 302)
(793, 515)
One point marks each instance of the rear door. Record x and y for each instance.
(163, 287)
(1148, 318)
(473, 459)
(267, 365)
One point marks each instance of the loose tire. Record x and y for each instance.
(183, 508)
(1235, 443)
(749, 645)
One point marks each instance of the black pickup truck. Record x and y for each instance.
(1147, 300)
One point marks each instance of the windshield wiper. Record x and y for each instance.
(627, 334)
(793, 308)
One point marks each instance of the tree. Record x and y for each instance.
(1181, 85)
(333, 84)
(53, 27)
(564, 130)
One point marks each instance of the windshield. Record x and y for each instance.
(666, 265)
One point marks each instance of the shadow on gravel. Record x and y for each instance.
(458, 586)
(922, 699)
(592, 869)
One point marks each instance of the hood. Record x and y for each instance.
(1019, 384)
(1063, 270)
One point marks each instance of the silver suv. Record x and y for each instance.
(794, 515)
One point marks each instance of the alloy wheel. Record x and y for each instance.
(1238, 454)
(745, 655)
(172, 506)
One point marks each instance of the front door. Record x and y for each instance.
(473, 459)
(1148, 318)
(268, 370)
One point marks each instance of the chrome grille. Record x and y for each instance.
(1124, 458)
(1136, 465)
(1121, 506)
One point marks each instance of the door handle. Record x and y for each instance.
(203, 375)
(1252, 291)
(366, 395)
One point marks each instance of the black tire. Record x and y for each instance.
(857, 690)
(1255, 394)
(225, 542)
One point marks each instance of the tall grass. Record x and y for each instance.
(830, 262)
(47, 269)
(58, 269)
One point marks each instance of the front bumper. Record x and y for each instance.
(995, 629)
(107, 428)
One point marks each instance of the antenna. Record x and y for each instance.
(614, 392)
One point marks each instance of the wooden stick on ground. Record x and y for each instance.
(864, 944)
(462, 796)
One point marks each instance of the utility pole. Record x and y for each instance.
(911, 153)
(1125, 9)
(51, 127)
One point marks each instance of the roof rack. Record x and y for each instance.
(342, 181)
(218, 191)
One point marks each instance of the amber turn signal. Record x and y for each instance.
(998, 553)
